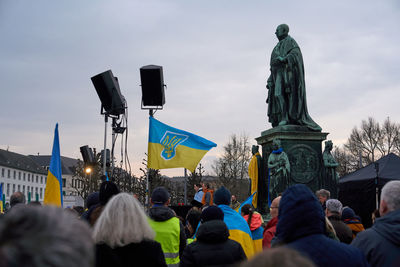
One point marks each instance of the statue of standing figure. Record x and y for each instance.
(279, 170)
(330, 167)
(286, 85)
(254, 173)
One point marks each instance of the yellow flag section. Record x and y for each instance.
(253, 174)
(1, 198)
(173, 148)
(53, 192)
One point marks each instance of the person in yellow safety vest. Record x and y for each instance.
(169, 230)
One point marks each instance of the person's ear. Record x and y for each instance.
(167, 203)
(383, 208)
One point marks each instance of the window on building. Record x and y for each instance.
(13, 191)
(37, 178)
(8, 173)
(45, 179)
(19, 188)
(2, 172)
(64, 182)
(64, 193)
(29, 177)
(24, 177)
(36, 191)
(41, 193)
(15, 174)
(19, 175)
(27, 189)
(41, 179)
(23, 189)
(8, 189)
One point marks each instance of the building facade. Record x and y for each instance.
(28, 174)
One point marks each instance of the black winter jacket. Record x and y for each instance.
(381, 242)
(301, 226)
(212, 247)
(145, 253)
(343, 232)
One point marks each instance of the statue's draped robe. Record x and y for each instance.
(291, 84)
(253, 174)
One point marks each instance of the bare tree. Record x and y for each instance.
(85, 183)
(233, 165)
(390, 136)
(370, 142)
(347, 162)
(366, 141)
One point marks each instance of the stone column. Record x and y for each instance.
(304, 149)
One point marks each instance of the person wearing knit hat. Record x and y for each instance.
(212, 246)
(238, 228)
(332, 211)
(212, 213)
(222, 196)
(170, 232)
(352, 221)
(107, 190)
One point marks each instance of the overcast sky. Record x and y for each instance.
(215, 56)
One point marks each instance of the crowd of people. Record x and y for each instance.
(114, 229)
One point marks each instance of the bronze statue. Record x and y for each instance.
(330, 167)
(279, 170)
(286, 85)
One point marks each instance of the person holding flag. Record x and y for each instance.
(53, 192)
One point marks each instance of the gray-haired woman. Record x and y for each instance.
(124, 237)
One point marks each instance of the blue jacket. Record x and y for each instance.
(301, 226)
(381, 242)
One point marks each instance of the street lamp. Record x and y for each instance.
(88, 170)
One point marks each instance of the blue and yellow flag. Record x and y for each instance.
(249, 200)
(173, 148)
(53, 192)
(1, 199)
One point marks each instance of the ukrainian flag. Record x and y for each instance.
(53, 192)
(173, 148)
(239, 230)
(1, 199)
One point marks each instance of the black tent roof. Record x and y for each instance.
(389, 169)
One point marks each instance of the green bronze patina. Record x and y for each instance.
(286, 85)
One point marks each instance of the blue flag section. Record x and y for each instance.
(249, 200)
(173, 148)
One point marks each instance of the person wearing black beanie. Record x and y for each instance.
(107, 190)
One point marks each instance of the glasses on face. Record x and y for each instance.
(273, 208)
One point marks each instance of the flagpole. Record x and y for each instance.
(185, 198)
(148, 171)
(105, 143)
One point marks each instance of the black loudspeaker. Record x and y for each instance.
(107, 88)
(152, 80)
(87, 155)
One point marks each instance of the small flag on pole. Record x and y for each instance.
(53, 192)
(173, 148)
(249, 200)
(1, 199)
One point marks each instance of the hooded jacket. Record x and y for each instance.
(301, 226)
(212, 247)
(163, 213)
(381, 242)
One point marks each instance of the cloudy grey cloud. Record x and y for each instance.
(215, 56)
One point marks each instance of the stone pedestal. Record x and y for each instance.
(304, 150)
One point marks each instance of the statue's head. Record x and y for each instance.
(276, 144)
(254, 149)
(328, 145)
(282, 31)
